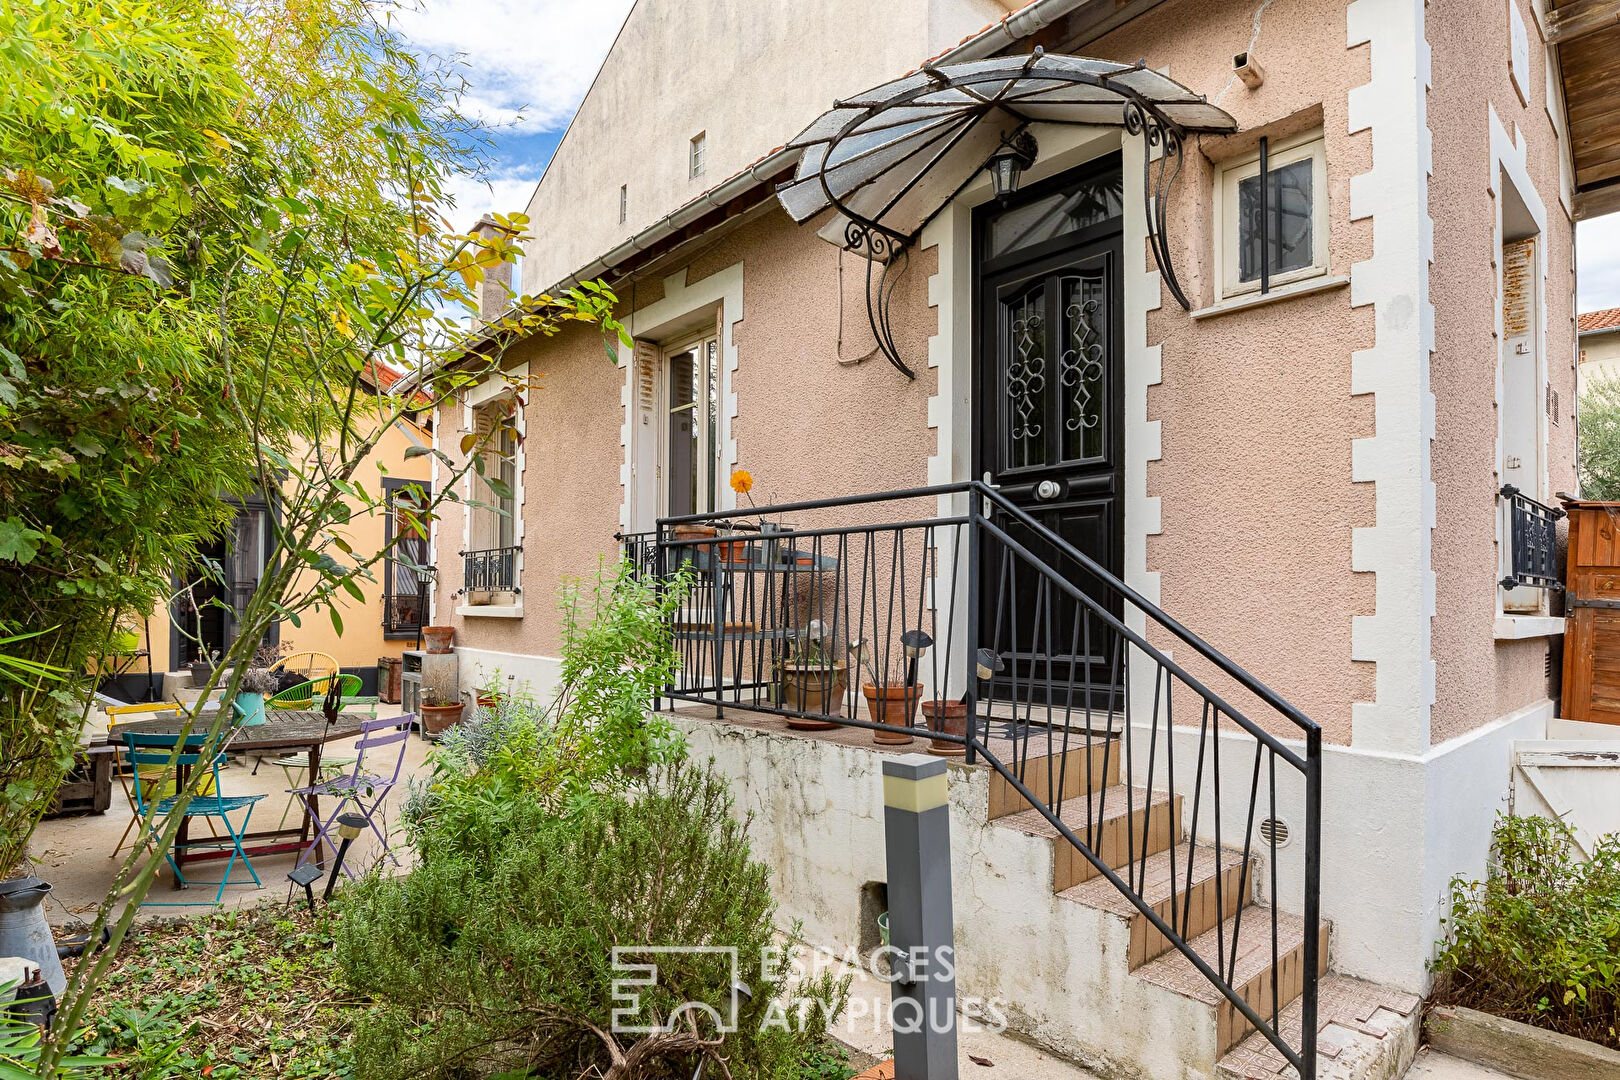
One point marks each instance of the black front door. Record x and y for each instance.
(1048, 416)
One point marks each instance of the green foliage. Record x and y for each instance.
(1539, 940)
(1598, 447)
(829, 1061)
(494, 956)
(216, 220)
(230, 996)
(596, 736)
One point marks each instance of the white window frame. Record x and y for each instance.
(1311, 145)
(710, 457)
(624, 203)
(475, 397)
(697, 153)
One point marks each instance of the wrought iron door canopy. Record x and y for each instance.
(889, 160)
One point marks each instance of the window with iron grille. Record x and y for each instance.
(406, 569)
(1271, 216)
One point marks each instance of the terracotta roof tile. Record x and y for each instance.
(1607, 319)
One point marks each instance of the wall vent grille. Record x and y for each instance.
(1275, 829)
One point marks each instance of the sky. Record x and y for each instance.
(530, 62)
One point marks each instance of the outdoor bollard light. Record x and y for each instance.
(306, 876)
(987, 664)
(856, 647)
(1009, 161)
(917, 842)
(349, 826)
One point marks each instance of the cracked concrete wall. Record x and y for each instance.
(1060, 968)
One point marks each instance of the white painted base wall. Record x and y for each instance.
(476, 666)
(1395, 829)
(1060, 968)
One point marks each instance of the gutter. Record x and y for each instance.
(1013, 28)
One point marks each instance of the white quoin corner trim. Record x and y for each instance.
(638, 508)
(1395, 371)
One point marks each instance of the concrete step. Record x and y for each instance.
(1253, 975)
(1363, 1031)
(1049, 769)
(1193, 887)
(1119, 823)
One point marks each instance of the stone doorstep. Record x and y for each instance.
(1363, 1031)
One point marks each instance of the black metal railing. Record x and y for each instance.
(490, 570)
(957, 605)
(1532, 541)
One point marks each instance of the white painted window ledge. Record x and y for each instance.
(1520, 627)
(1281, 292)
(490, 611)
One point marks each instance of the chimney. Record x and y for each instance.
(495, 292)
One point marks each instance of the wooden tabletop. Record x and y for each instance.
(283, 729)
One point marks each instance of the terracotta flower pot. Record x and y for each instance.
(437, 638)
(950, 718)
(812, 688)
(490, 701)
(437, 719)
(893, 704)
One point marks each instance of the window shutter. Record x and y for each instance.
(646, 361)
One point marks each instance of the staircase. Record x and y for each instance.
(1103, 738)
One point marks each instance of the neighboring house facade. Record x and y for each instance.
(1302, 464)
(1599, 345)
(384, 623)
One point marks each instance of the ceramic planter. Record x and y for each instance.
(437, 719)
(200, 671)
(893, 704)
(950, 718)
(437, 638)
(812, 688)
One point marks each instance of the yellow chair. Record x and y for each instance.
(311, 665)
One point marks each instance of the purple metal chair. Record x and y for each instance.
(360, 790)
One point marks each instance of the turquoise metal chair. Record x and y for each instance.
(158, 750)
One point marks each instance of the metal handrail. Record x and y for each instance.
(735, 619)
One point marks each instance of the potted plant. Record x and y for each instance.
(437, 638)
(440, 712)
(490, 695)
(811, 680)
(203, 667)
(949, 718)
(257, 683)
(891, 699)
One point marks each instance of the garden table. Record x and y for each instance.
(283, 729)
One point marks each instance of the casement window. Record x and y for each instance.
(698, 149)
(494, 523)
(1271, 216)
(691, 452)
(405, 567)
(624, 203)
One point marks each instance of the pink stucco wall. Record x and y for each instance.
(1258, 503)
(1256, 497)
(1479, 679)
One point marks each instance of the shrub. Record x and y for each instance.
(1539, 940)
(595, 736)
(495, 955)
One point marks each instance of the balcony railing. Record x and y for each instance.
(490, 570)
(1532, 541)
(954, 614)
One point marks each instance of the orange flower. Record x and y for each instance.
(742, 481)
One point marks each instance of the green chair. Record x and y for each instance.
(309, 695)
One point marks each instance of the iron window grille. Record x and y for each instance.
(490, 570)
(1532, 541)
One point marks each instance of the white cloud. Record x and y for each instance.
(1597, 253)
(502, 192)
(532, 59)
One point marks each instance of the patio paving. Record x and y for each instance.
(72, 853)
